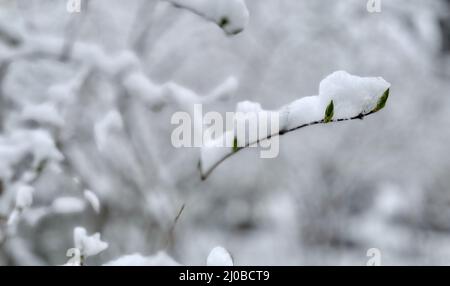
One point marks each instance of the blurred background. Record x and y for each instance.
(69, 122)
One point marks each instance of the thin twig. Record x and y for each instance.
(170, 236)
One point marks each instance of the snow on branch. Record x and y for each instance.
(341, 97)
(230, 15)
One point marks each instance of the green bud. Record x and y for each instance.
(382, 101)
(329, 113)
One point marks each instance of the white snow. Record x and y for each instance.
(351, 96)
(159, 259)
(93, 200)
(88, 245)
(67, 205)
(231, 15)
(219, 256)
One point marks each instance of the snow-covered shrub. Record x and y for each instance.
(85, 107)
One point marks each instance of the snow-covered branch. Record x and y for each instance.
(341, 97)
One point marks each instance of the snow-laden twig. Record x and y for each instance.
(342, 97)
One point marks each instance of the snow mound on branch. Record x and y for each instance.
(351, 95)
(159, 259)
(219, 256)
(231, 15)
(88, 245)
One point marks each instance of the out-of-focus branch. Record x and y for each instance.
(72, 30)
(10, 36)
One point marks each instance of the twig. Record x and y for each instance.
(170, 236)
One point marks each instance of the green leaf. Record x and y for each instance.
(382, 101)
(235, 145)
(329, 113)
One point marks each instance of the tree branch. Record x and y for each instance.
(205, 175)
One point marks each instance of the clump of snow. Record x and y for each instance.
(231, 15)
(219, 256)
(88, 245)
(67, 205)
(93, 200)
(159, 259)
(351, 95)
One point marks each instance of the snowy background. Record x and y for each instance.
(85, 140)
